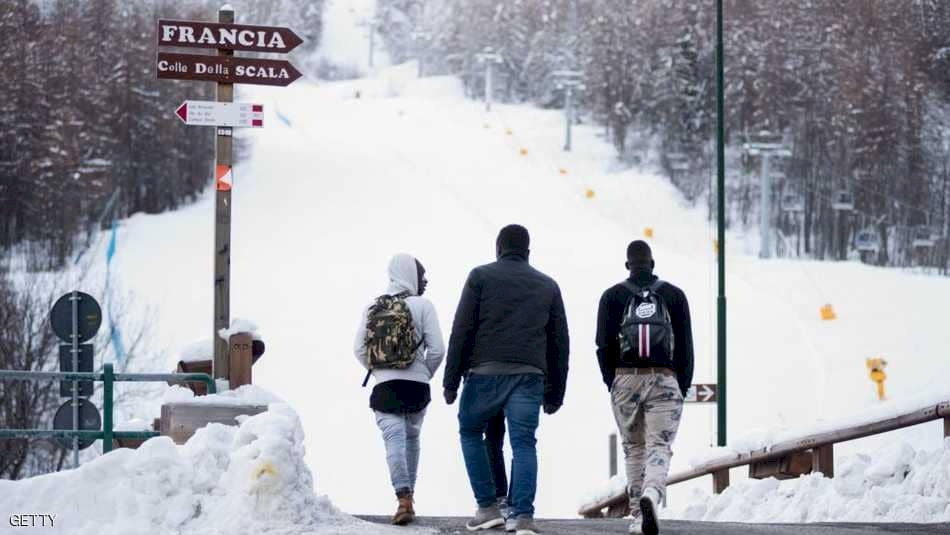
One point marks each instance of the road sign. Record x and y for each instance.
(702, 394)
(66, 365)
(226, 69)
(211, 113)
(89, 420)
(189, 33)
(89, 312)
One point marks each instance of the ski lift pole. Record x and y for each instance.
(488, 58)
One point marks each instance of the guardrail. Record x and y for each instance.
(790, 458)
(108, 378)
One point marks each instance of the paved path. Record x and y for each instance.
(456, 526)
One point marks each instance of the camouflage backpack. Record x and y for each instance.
(390, 340)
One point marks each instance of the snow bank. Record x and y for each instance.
(243, 395)
(898, 484)
(246, 479)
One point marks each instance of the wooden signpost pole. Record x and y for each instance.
(222, 226)
(225, 70)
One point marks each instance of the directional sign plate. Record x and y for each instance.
(90, 317)
(190, 33)
(210, 113)
(702, 394)
(226, 70)
(89, 420)
(85, 357)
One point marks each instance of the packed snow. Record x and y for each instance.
(899, 483)
(251, 478)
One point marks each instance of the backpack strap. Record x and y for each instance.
(653, 287)
(631, 286)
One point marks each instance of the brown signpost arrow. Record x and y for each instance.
(226, 69)
(242, 37)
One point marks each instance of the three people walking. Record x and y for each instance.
(510, 345)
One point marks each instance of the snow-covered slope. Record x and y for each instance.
(411, 166)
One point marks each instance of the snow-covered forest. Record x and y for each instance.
(83, 117)
(858, 91)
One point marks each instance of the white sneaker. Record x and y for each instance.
(636, 525)
(511, 525)
(648, 506)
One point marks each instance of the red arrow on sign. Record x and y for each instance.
(182, 112)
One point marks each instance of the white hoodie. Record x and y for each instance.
(404, 277)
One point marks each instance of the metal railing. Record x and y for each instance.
(108, 377)
(820, 445)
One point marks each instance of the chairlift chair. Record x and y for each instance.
(867, 240)
(923, 236)
(843, 200)
(793, 202)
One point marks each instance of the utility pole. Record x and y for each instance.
(488, 58)
(222, 228)
(568, 81)
(766, 149)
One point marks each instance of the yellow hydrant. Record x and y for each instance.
(876, 370)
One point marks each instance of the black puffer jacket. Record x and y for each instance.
(612, 305)
(510, 312)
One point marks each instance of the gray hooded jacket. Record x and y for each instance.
(404, 277)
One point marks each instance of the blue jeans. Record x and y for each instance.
(520, 396)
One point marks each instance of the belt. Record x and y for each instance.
(645, 371)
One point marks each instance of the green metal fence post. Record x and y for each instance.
(107, 379)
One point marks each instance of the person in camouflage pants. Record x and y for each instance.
(648, 410)
(647, 367)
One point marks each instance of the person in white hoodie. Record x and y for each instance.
(401, 395)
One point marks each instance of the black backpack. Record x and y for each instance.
(646, 331)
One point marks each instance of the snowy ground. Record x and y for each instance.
(246, 479)
(411, 166)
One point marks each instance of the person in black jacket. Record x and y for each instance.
(510, 341)
(647, 382)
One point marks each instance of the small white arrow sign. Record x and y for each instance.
(702, 393)
(210, 113)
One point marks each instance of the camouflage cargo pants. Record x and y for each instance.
(648, 410)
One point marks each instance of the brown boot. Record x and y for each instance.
(404, 513)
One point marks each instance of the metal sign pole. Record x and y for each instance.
(720, 231)
(75, 357)
(222, 228)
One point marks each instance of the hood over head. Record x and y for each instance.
(403, 275)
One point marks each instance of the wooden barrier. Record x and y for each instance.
(818, 450)
(180, 420)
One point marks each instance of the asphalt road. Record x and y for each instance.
(456, 526)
